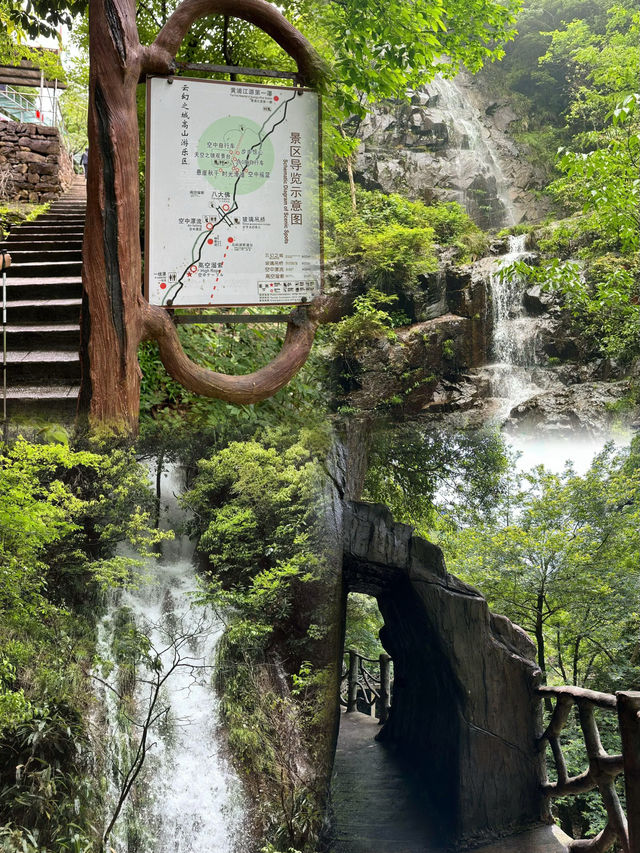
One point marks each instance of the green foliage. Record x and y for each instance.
(602, 297)
(233, 349)
(367, 322)
(571, 61)
(74, 104)
(430, 479)
(603, 183)
(603, 291)
(391, 238)
(61, 513)
(560, 557)
(254, 515)
(15, 213)
(363, 625)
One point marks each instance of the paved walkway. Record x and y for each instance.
(374, 808)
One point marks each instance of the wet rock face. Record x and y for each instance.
(402, 374)
(587, 409)
(479, 351)
(464, 714)
(451, 143)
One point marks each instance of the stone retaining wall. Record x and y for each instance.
(34, 165)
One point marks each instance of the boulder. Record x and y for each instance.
(587, 409)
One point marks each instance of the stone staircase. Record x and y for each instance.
(43, 308)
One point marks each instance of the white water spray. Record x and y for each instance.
(513, 348)
(188, 800)
(474, 152)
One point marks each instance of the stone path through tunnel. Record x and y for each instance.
(374, 809)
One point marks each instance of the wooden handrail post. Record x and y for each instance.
(385, 687)
(352, 695)
(629, 722)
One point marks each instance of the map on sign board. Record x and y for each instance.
(233, 194)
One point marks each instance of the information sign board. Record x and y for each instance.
(233, 212)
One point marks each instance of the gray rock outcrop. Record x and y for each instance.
(452, 143)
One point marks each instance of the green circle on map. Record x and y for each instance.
(235, 155)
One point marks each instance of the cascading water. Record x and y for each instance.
(513, 348)
(186, 799)
(487, 200)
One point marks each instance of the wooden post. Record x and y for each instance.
(385, 687)
(629, 723)
(352, 695)
(115, 316)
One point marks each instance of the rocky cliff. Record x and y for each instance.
(452, 143)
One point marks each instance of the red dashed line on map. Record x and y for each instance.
(229, 240)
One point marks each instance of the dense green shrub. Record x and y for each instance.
(255, 515)
(61, 514)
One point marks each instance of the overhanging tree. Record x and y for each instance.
(561, 559)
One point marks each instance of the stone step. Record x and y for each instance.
(43, 392)
(50, 367)
(56, 401)
(52, 236)
(47, 269)
(43, 335)
(54, 310)
(77, 211)
(14, 247)
(76, 224)
(36, 253)
(37, 289)
(59, 218)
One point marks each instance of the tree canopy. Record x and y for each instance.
(561, 558)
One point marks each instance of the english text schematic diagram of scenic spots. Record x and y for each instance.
(233, 191)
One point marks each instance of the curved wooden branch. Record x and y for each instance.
(160, 55)
(252, 387)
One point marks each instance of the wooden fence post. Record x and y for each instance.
(629, 722)
(352, 695)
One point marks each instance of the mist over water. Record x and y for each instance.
(188, 799)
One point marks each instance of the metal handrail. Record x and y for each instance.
(20, 102)
(41, 107)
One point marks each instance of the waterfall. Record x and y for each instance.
(187, 799)
(514, 333)
(479, 183)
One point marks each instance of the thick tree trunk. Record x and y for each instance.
(112, 293)
(115, 315)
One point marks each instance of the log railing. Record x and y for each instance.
(368, 686)
(602, 768)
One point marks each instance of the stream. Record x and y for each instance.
(187, 798)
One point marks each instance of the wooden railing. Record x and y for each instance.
(602, 768)
(368, 686)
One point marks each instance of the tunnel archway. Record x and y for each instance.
(464, 717)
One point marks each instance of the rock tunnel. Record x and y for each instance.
(464, 717)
